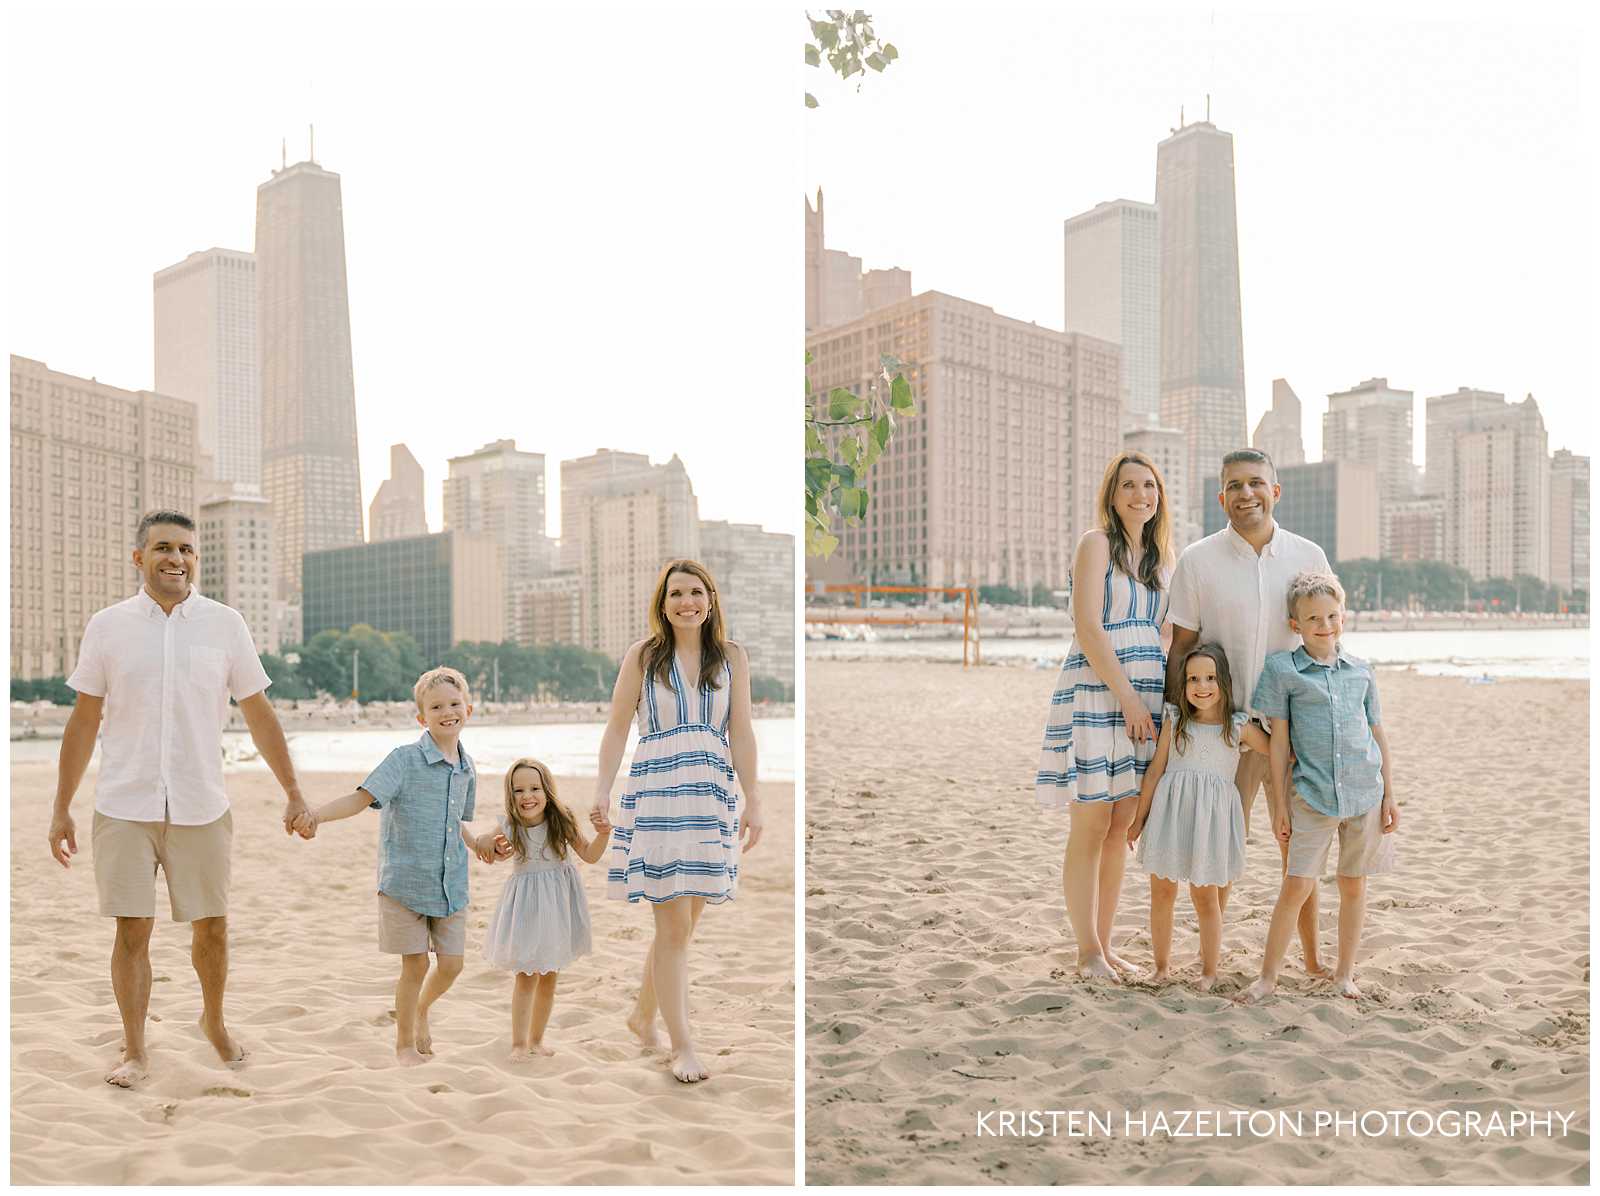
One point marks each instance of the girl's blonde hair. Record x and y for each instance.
(561, 829)
(1155, 538)
(1186, 712)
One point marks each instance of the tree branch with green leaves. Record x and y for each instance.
(847, 42)
(846, 433)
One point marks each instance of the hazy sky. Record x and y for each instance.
(1413, 195)
(572, 227)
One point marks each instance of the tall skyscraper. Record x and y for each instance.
(499, 492)
(995, 479)
(627, 522)
(205, 352)
(813, 267)
(1202, 332)
(1489, 461)
(1569, 521)
(1113, 292)
(1334, 504)
(1278, 433)
(1371, 424)
(87, 461)
(310, 471)
(398, 509)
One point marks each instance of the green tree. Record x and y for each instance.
(287, 683)
(845, 435)
(848, 43)
(45, 689)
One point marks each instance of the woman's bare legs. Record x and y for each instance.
(1080, 883)
(675, 922)
(642, 1021)
(1113, 862)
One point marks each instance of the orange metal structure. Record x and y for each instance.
(968, 619)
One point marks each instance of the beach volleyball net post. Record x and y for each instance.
(971, 644)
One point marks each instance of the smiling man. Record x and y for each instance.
(157, 669)
(1231, 588)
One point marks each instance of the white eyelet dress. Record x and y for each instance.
(1087, 755)
(678, 831)
(542, 921)
(1195, 829)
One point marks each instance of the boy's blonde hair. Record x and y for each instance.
(443, 675)
(1311, 584)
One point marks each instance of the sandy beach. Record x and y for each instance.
(319, 1098)
(939, 981)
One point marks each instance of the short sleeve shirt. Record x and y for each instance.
(1338, 766)
(166, 680)
(1236, 597)
(423, 799)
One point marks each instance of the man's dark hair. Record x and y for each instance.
(1247, 454)
(176, 518)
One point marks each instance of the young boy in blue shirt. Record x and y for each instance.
(425, 793)
(1323, 702)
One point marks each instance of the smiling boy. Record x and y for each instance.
(425, 793)
(1324, 703)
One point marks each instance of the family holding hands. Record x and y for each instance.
(153, 679)
(1164, 749)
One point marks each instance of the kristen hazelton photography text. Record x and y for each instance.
(1240, 861)
(1218, 1123)
(1263, 1123)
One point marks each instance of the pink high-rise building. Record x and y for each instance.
(994, 479)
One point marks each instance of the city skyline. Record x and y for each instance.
(1366, 173)
(490, 298)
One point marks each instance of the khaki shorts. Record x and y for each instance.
(403, 931)
(1364, 850)
(198, 861)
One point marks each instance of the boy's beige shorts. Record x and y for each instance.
(1364, 850)
(198, 861)
(403, 931)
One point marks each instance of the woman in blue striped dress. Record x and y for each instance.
(1105, 712)
(676, 842)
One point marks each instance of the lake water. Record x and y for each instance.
(570, 749)
(1535, 652)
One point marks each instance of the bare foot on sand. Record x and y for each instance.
(129, 1072)
(1159, 976)
(1345, 986)
(644, 1029)
(1205, 983)
(1257, 992)
(1318, 970)
(423, 1034)
(1122, 965)
(227, 1047)
(408, 1057)
(687, 1068)
(519, 1054)
(1096, 968)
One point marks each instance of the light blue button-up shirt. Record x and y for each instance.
(423, 799)
(1331, 708)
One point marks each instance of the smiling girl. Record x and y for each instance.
(1189, 813)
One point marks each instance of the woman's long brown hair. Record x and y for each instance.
(659, 647)
(1155, 538)
(561, 829)
(1186, 712)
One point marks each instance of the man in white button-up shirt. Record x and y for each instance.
(157, 669)
(1232, 589)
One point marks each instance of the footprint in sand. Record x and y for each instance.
(224, 1090)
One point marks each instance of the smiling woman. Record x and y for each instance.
(676, 841)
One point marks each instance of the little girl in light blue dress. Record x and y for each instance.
(542, 921)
